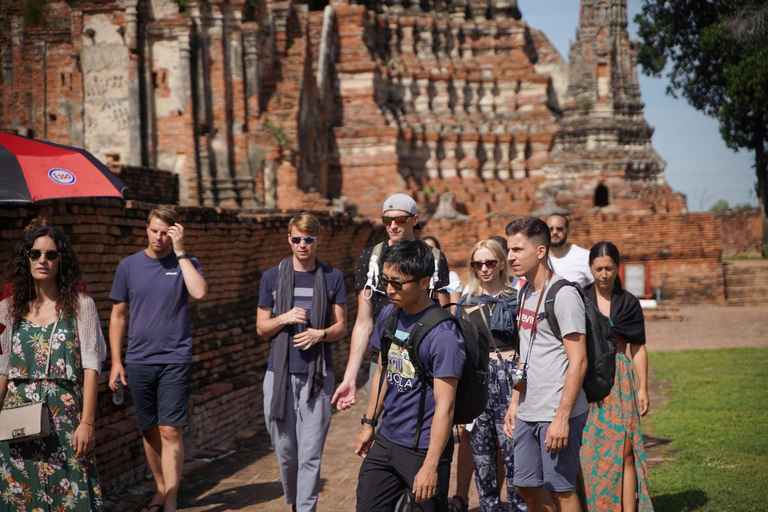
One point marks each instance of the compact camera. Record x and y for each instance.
(519, 376)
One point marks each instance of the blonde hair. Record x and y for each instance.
(306, 223)
(475, 286)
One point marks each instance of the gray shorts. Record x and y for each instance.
(534, 467)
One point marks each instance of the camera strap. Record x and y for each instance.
(535, 324)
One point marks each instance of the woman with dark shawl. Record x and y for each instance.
(612, 456)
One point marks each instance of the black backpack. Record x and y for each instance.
(472, 389)
(601, 346)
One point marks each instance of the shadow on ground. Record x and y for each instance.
(680, 501)
(246, 496)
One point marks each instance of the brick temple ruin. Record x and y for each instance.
(244, 110)
(292, 104)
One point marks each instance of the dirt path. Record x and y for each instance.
(244, 475)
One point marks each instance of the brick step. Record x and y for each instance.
(746, 280)
(746, 275)
(746, 302)
(746, 292)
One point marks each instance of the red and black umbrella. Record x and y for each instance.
(34, 170)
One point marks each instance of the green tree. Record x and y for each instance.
(720, 205)
(715, 54)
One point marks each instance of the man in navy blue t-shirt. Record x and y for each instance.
(302, 308)
(155, 285)
(391, 463)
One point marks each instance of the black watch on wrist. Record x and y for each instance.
(368, 421)
(184, 256)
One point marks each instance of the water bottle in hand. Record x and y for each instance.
(119, 395)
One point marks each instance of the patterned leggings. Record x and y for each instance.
(487, 436)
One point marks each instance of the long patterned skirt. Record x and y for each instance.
(602, 451)
(44, 475)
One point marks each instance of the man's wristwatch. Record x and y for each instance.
(325, 335)
(184, 256)
(365, 420)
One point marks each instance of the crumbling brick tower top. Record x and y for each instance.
(603, 151)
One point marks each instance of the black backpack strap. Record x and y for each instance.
(390, 326)
(549, 305)
(434, 317)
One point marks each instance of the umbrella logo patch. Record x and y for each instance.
(62, 176)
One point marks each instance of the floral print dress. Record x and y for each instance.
(44, 475)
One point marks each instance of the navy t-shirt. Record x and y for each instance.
(157, 299)
(441, 353)
(303, 291)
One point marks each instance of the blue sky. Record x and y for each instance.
(698, 162)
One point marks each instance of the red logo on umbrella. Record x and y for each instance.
(62, 176)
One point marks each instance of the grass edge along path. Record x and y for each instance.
(717, 424)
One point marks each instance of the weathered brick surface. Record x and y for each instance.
(683, 251)
(742, 231)
(149, 185)
(229, 359)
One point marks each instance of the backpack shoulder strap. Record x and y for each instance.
(429, 321)
(390, 326)
(374, 268)
(549, 305)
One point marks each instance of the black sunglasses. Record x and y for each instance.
(50, 255)
(478, 265)
(397, 285)
(309, 240)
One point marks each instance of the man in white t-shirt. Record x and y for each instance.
(567, 260)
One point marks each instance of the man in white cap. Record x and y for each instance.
(400, 216)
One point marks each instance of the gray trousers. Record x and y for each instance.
(299, 439)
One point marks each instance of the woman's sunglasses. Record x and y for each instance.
(50, 255)
(478, 265)
(309, 240)
(399, 220)
(397, 285)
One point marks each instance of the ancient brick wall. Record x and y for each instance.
(229, 359)
(683, 251)
(742, 232)
(149, 185)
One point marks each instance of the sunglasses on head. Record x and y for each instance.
(397, 285)
(399, 220)
(309, 240)
(478, 265)
(559, 229)
(50, 255)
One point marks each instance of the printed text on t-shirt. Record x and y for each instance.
(526, 319)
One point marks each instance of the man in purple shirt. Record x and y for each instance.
(155, 284)
(408, 454)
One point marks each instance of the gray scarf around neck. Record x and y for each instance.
(317, 318)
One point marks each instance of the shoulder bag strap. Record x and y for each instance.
(50, 347)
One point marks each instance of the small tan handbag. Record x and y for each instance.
(24, 423)
(28, 421)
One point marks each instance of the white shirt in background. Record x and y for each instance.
(574, 266)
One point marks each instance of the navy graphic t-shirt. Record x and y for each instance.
(303, 291)
(442, 355)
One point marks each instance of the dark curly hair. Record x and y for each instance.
(19, 274)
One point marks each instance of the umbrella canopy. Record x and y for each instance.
(34, 170)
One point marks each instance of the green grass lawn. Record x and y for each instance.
(717, 424)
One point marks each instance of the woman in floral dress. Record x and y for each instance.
(50, 324)
(615, 475)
